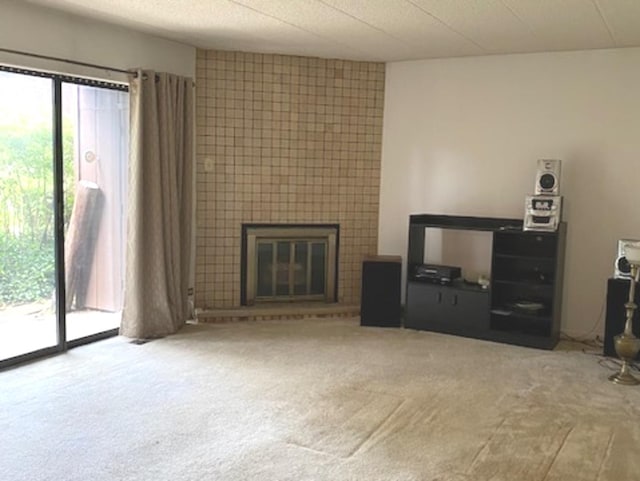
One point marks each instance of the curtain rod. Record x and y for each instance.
(65, 60)
(74, 62)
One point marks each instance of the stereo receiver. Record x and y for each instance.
(436, 273)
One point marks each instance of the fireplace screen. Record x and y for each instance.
(290, 263)
(291, 268)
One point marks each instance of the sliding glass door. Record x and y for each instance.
(27, 225)
(63, 151)
(96, 122)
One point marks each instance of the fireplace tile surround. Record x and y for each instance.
(284, 140)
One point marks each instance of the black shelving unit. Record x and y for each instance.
(527, 285)
(523, 304)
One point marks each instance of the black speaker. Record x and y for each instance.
(380, 295)
(617, 296)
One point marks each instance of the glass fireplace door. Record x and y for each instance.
(291, 269)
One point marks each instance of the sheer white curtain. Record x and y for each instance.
(159, 206)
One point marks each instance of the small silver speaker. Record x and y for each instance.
(548, 177)
(622, 270)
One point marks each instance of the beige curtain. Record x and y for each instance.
(159, 206)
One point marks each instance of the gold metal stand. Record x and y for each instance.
(627, 345)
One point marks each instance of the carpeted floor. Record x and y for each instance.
(316, 400)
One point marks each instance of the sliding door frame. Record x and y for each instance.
(58, 192)
(58, 189)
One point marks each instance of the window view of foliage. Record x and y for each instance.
(27, 270)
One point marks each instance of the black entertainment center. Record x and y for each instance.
(522, 304)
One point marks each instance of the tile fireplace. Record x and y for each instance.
(284, 140)
(289, 263)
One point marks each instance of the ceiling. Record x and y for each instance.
(375, 30)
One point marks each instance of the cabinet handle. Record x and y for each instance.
(454, 301)
(439, 297)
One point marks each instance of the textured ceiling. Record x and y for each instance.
(378, 30)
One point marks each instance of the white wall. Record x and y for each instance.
(42, 31)
(462, 137)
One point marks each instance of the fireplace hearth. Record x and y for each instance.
(289, 263)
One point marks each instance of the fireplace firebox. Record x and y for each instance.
(289, 263)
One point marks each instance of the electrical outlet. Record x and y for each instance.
(208, 164)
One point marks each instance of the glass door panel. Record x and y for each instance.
(95, 129)
(28, 318)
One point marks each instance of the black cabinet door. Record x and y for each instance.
(470, 309)
(447, 309)
(424, 305)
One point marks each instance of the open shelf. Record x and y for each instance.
(531, 245)
(506, 312)
(523, 283)
(521, 324)
(520, 257)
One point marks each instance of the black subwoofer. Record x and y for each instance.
(380, 295)
(617, 296)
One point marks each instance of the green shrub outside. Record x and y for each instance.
(27, 271)
(27, 256)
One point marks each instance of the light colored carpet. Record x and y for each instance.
(316, 400)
